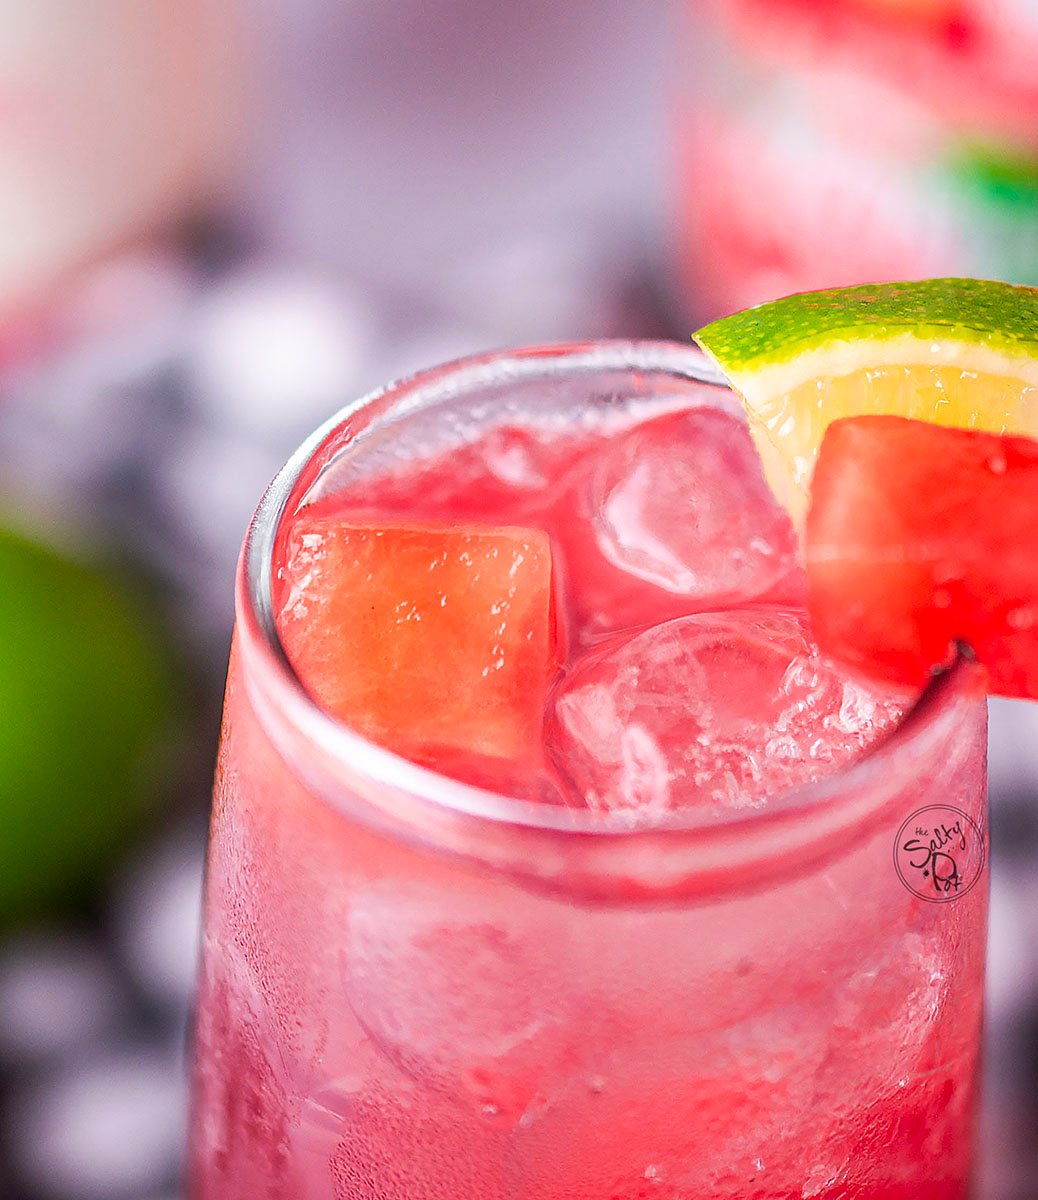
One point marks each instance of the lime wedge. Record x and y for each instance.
(86, 709)
(955, 352)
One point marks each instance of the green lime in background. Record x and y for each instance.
(85, 712)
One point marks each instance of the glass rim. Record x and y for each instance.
(257, 627)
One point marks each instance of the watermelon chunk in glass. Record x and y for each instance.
(921, 537)
(436, 642)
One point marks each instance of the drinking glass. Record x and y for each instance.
(416, 989)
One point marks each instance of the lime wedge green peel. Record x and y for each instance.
(957, 352)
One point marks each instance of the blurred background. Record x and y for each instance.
(221, 220)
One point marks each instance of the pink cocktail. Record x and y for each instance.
(658, 904)
(821, 143)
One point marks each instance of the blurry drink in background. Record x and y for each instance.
(115, 117)
(830, 142)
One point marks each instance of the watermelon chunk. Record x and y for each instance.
(919, 537)
(433, 641)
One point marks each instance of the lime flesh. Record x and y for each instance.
(956, 352)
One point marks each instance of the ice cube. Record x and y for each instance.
(683, 522)
(508, 475)
(461, 992)
(720, 711)
(243, 1105)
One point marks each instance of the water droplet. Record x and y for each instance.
(1022, 618)
(947, 572)
(997, 464)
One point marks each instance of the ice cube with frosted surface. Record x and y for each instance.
(462, 992)
(718, 711)
(681, 521)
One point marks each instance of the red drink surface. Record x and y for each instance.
(381, 1020)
